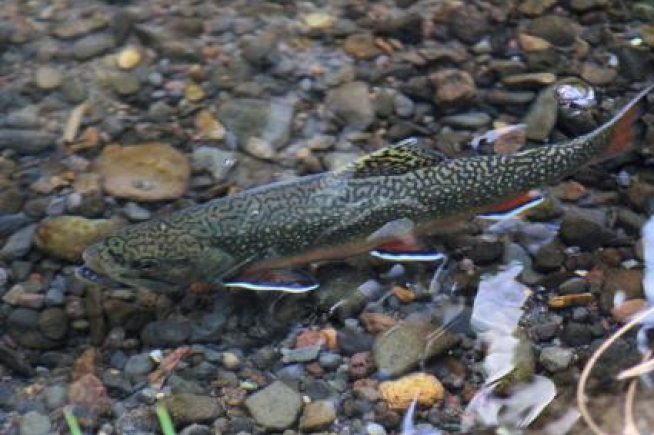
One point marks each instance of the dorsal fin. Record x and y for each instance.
(403, 157)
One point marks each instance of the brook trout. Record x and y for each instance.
(256, 239)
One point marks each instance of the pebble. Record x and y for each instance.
(48, 78)
(529, 80)
(53, 323)
(230, 360)
(150, 171)
(351, 104)
(407, 344)
(138, 367)
(275, 407)
(361, 46)
(136, 213)
(555, 358)
(168, 332)
(474, 120)
(260, 148)
(67, 236)
(124, 83)
(73, 91)
(375, 429)
(598, 75)
(26, 141)
(556, 29)
(19, 243)
(55, 396)
(453, 87)
(401, 392)
(576, 334)
(34, 423)
(584, 230)
(128, 58)
(317, 415)
(93, 45)
(186, 408)
(218, 162)
(247, 117)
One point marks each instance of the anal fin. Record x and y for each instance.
(513, 206)
(285, 280)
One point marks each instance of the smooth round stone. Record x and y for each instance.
(135, 212)
(48, 78)
(73, 91)
(34, 423)
(468, 120)
(124, 83)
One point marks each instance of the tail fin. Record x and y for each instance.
(623, 129)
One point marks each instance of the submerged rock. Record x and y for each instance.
(409, 343)
(146, 172)
(275, 407)
(66, 237)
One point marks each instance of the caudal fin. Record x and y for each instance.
(624, 129)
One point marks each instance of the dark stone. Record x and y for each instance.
(26, 141)
(169, 332)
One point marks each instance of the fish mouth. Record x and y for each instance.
(89, 275)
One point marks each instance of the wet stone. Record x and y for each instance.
(93, 45)
(580, 230)
(170, 332)
(317, 415)
(275, 407)
(556, 29)
(555, 358)
(34, 423)
(188, 408)
(53, 323)
(55, 396)
(138, 367)
(246, 117)
(469, 24)
(351, 104)
(576, 334)
(18, 244)
(48, 78)
(453, 87)
(124, 83)
(26, 141)
(473, 120)
(73, 90)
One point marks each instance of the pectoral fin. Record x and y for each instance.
(285, 280)
(405, 249)
(513, 206)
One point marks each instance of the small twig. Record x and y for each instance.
(585, 374)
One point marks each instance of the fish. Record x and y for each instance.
(260, 238)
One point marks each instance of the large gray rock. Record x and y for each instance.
(275, 407)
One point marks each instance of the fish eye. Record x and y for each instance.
(146, 264)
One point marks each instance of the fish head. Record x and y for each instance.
(157, 256)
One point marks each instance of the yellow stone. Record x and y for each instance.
(318, 20)
(128, 58)
(66, 237)
(193, 92)
(401, 392)
(209, 126)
